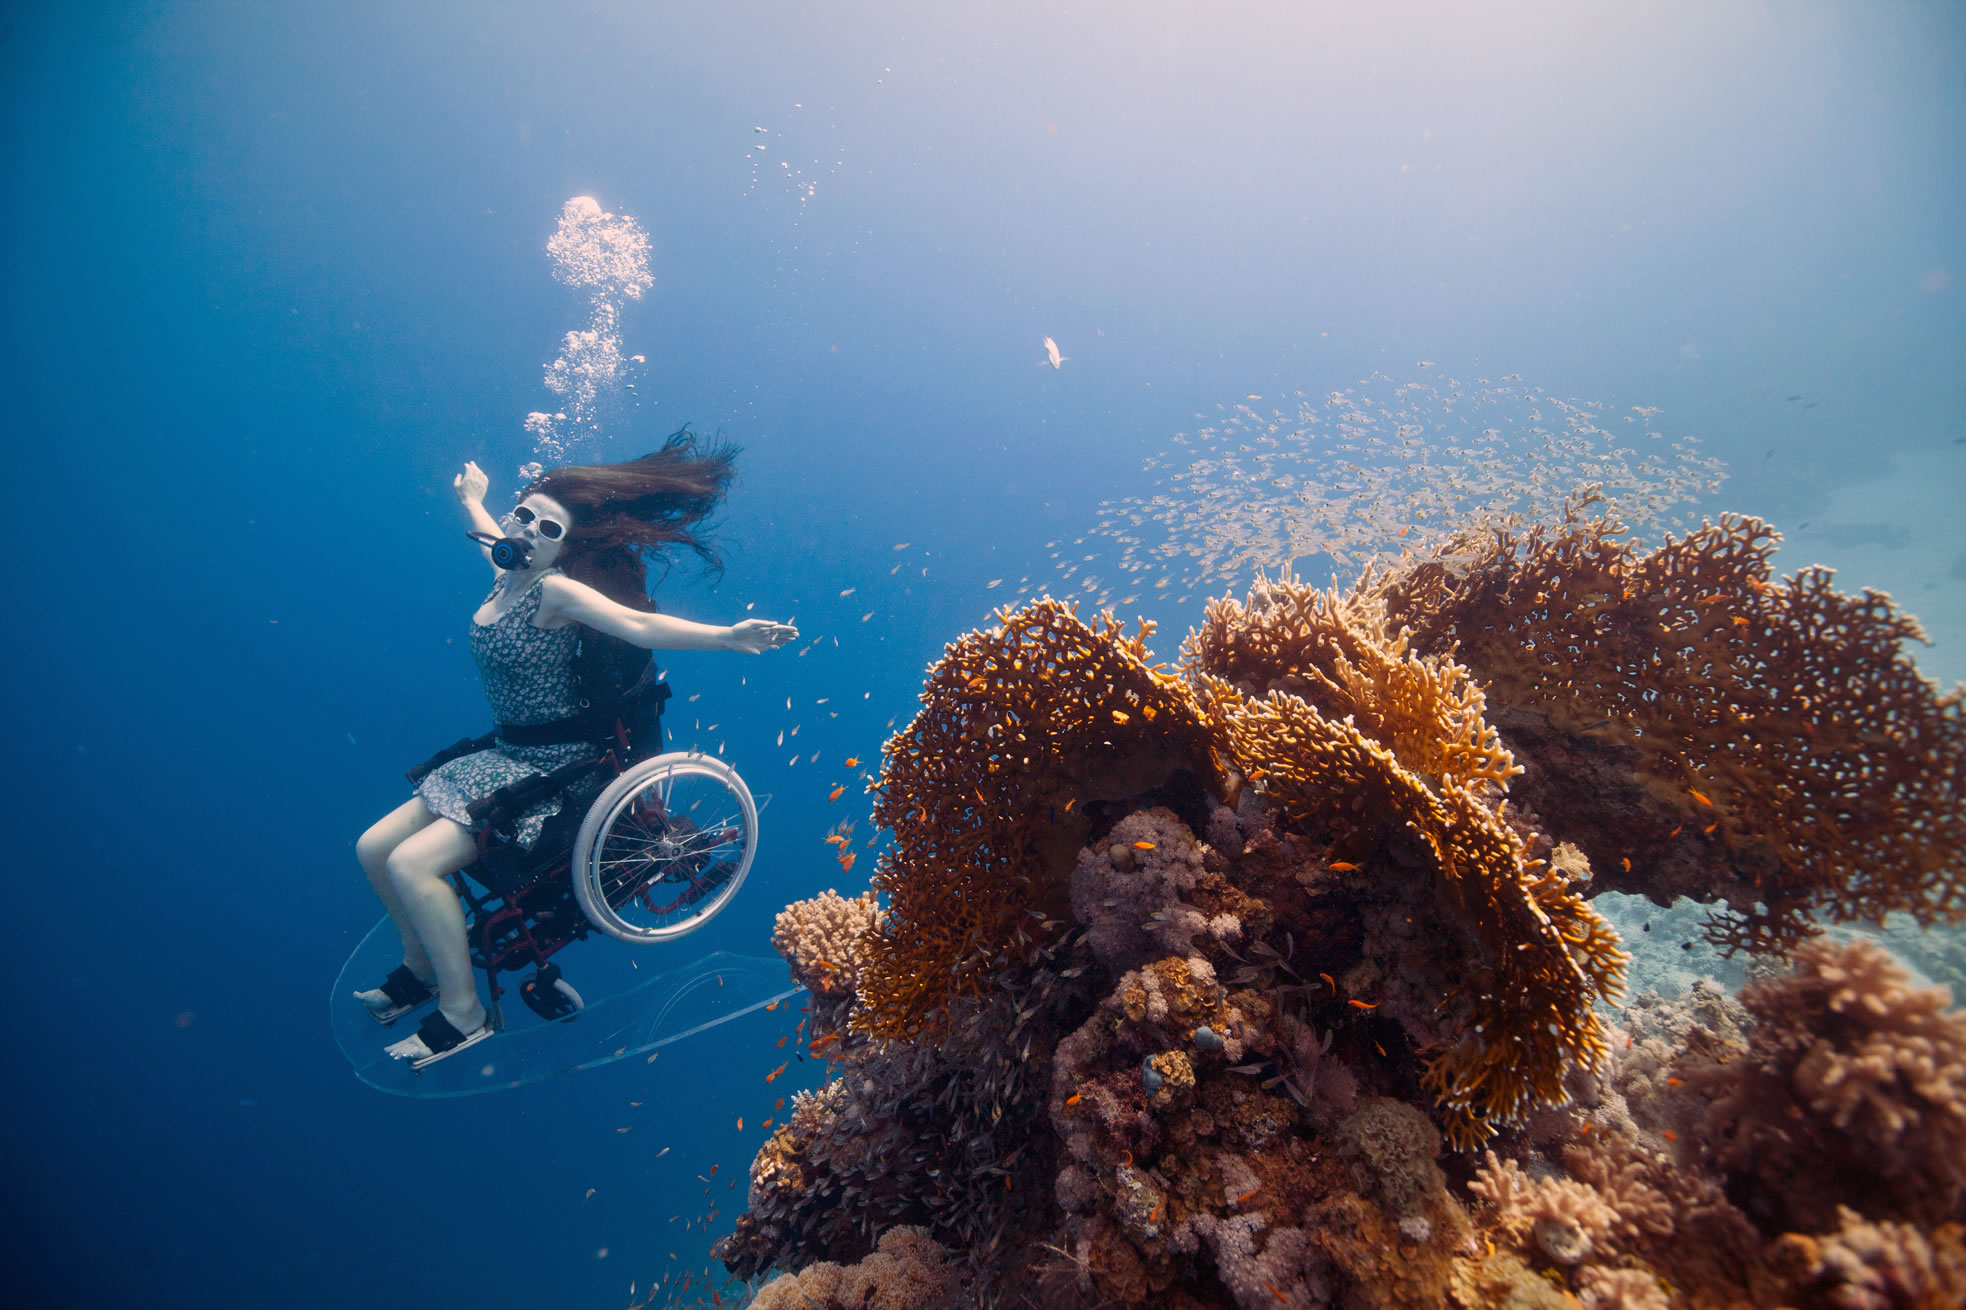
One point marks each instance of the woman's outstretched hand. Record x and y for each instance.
(471, 485)
(756, 636)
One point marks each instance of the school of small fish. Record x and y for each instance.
(1332, 481)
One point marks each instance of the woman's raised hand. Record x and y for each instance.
(756, 636)
(471, 485)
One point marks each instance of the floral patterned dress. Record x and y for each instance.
(528, 675)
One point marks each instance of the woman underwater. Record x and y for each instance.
(586, 532)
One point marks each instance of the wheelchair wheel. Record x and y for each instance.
(664, 847)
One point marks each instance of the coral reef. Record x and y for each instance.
(1704, 729)
(1201, 988)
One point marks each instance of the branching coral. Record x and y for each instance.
(986, 793)
(822, 940)
(1563, 1217)
(1853, 1085)
(1782, 721)
(1877, 1266)
(1382, 737)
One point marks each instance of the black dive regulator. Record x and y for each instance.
(507, 553)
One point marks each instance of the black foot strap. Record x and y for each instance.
(404, 988)
(438, 1033)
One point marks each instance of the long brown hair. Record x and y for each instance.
(626, 516)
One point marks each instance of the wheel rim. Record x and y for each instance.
(665, 847)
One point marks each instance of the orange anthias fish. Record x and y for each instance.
(1144, 846)
(1342, 866)
(846, 862)
(853, 761)
(836, 793)
(835, 840)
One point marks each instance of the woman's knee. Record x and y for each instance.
(443, 848)
(373, 847)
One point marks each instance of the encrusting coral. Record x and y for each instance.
(908, 1271)
(1704, 728)
(1182, 977)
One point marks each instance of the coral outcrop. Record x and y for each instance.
(1704, 728)
(1360, 737)
(1203, 987)
(1023, 731)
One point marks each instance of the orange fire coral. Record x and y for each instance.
(1381, 736)
(1780, 719)
(985, 794)
(1334, 651)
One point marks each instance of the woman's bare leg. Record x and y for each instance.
(372, 850)
(417, 870)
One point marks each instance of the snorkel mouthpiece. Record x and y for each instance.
(507, 553)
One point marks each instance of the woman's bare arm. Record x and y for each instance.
(471, 486)
(561, 597)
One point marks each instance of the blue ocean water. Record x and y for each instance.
(274, 272)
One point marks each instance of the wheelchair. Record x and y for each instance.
(662, 845)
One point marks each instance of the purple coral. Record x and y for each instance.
(1131, 891)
